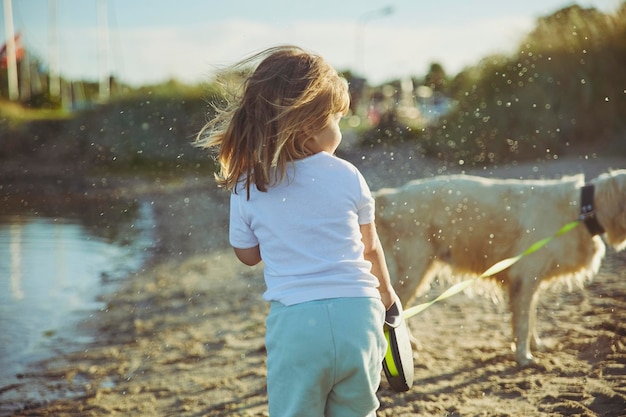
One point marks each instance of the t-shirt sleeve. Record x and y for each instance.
(366, 203)
(240, 233)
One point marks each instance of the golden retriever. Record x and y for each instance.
(461, 225)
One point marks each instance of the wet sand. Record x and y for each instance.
(185, 336)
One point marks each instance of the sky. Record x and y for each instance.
(148, 41)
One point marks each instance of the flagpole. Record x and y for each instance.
(54, 86)
(11, 58)
(103, 37)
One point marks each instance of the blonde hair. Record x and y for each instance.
(290, 96)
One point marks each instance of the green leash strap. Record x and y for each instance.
(391, 364)
(496, 268)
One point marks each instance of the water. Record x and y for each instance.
(53, 271)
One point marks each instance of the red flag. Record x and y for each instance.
(19, 52)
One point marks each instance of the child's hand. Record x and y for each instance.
(388, 298)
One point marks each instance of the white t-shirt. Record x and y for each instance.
(308, 231)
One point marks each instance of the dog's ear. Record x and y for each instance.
(618, 240)
(610, 206)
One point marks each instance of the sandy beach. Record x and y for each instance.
(185, 336)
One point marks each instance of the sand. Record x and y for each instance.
(184, 337)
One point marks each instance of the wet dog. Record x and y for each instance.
(459, 226)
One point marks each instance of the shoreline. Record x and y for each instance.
(186, 336)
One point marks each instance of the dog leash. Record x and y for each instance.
(496, 268)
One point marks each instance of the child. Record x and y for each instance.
(310, 217)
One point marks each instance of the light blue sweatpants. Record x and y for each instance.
(324, 358)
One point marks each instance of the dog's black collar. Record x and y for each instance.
(587, 211)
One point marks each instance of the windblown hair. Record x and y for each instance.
(289, 97)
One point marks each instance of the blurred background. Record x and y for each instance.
(504, 79)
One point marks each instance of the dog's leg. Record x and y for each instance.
(412, 274)
(536, 344)
(412, 268)
(523, 300)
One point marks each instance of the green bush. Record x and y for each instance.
(146, 130)
(563, 91)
